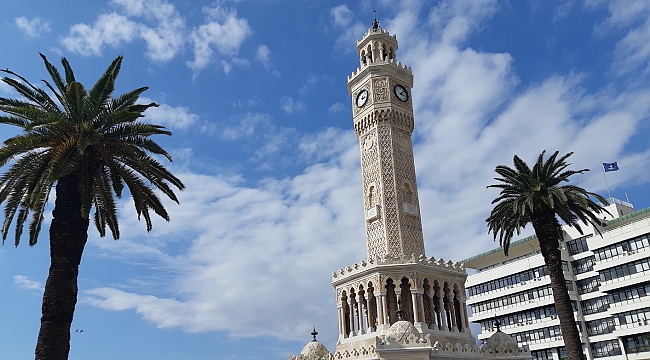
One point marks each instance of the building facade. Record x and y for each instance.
(608, 277)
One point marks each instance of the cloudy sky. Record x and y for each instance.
(255, 94)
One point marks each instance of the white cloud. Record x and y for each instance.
(312, 83)
(271, 241)
(336, 108)
(263, 55)
(27, 284)
(223, 32)
(163, 29)
(227, 67)
(290, 106)
(32, 28)
(341, 15)
(6, 88)
(177, 117)
(109, 29)
(633, 50)
(246, 126)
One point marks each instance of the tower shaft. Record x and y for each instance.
(383, 122)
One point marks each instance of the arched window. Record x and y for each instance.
(405, 299)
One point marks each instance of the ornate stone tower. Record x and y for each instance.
(398, 304)
(383, 122)
(397, 276)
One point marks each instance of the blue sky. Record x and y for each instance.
(255, 94)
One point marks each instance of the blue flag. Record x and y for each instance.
(610, 166)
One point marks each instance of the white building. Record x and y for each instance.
(608, 278)
(398, 304)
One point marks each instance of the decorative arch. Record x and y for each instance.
(405, 299)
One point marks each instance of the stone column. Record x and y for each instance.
(380, 308)
(341, 317)
(370, 326)
(452, 313)
(432, 310)
(443, 314)
(351, 306)
(419, 321)
(415, 303)
(360, 316)
(462, 319)
(398, 296)
(384, 309)
(463, 305)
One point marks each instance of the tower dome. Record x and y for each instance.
(501, 343)
(314, 351)
(401, 331)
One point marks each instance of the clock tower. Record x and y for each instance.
(398, 304)
(383, 122)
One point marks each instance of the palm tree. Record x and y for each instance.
(88, 145)
(537, 197)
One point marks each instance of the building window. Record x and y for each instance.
(521, 318)
(630, 294)
(578, 245)
(588, 285)
(595, 305)
(583, 265)
(509, 281)
(630, 319)
(636, 343)
(600, 326)
(625, 247)
(544, 354)
(605, 348)
(538, 335)
(616, 272)
(527, 296)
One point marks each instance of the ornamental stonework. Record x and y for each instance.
(391, 216)
(380, 87)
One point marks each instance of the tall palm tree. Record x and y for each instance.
(536, 196)
(88, 145)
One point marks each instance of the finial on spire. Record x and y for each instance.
(375, 24)
(399, 312)
(314, 333)
(497, 324)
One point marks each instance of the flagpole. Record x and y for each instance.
(605, 176)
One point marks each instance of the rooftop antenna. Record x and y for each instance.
(375, 24)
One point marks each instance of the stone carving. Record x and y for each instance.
(380, 87)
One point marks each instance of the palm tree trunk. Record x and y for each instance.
(68, 235)
(548, 233)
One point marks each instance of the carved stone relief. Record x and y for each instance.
(380, 87)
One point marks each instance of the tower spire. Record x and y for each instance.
(375, 24)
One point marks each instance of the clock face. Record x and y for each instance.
(362, 97)
(401, 93)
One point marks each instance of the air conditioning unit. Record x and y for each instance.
(531, 301)
(522, 283)
(553, 316)
(529, 323)
(631, 252)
